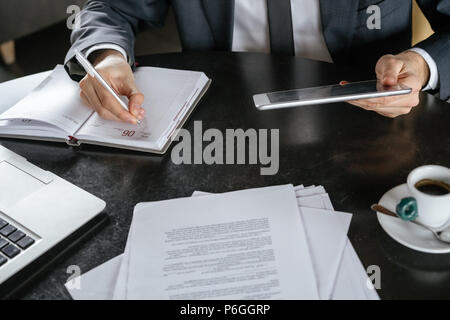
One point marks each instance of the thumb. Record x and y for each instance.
(388, 69)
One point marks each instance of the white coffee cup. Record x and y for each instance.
(433, 210)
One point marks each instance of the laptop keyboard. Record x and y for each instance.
(12, 241)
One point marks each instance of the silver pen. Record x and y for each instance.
(89, 68)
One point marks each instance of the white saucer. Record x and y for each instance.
(404, 232)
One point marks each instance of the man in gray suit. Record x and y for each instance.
(330, 30)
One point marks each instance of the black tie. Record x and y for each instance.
(280, 26)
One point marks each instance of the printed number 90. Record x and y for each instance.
(128, 133)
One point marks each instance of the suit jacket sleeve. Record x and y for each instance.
(438, 45)
(112, 21)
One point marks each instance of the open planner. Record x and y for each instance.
(54, 111)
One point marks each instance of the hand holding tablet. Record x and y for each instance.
(327, 94)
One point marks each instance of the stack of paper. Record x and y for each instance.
(280, 242)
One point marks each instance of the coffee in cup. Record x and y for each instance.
(430, 196)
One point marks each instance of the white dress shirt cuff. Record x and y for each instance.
(104, 46)
(434, 76)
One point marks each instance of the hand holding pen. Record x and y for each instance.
(102, 85)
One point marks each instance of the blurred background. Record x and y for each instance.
(34, 36)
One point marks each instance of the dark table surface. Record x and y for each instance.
(355, 154)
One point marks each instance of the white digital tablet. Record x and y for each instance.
(327, 94)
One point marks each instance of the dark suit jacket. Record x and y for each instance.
(208, 25)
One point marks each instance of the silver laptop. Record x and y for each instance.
(37, 211)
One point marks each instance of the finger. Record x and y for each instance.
(387, 101)
(388, 69)
(387, 112)
(373, 103)
(108, 102)
(91, 96)
(395, 101)
(393, 112)
(86, 100)
(88, 93)
(360, 104)
(396, 110)
(411, 99)
(387, 115)
(136, 110)
(135, 105)
(407, 101)
(105, 114)
(135, 98)
(410, 81)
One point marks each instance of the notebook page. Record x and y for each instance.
(31, 128)
(167, 92)
(13, 91)
(55, 101)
